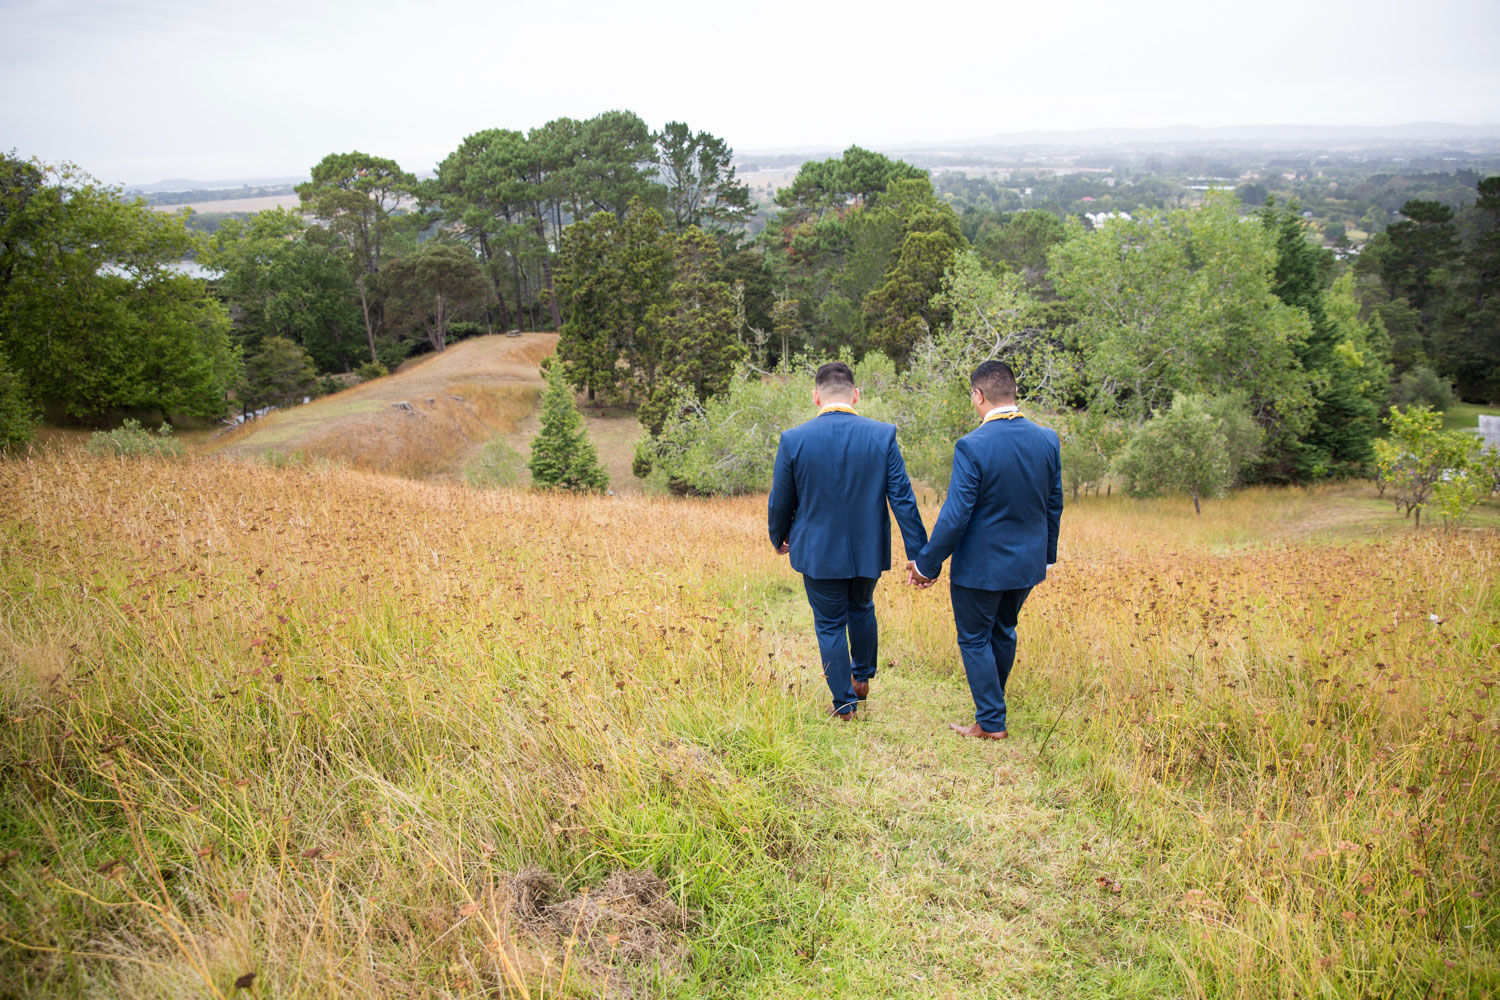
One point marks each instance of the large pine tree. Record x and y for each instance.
(562, 456)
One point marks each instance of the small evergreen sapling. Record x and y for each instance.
(562, 456)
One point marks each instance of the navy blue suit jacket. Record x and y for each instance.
(1000, 520)
(834, 477)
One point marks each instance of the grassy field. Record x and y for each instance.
(361, 735)
(1465, 416)
(478, 392)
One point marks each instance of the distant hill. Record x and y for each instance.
(183, 184)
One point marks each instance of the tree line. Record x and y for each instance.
(633, 243)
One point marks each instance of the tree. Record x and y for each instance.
(1021, 242)
(1197, 447)
(562, 456)
(284, 278)
(1418, 455)
(429, 286)
(991, 317)
(356, 195)
(690, 343)
(1418, 247)
(1183, 302)
(94, 320)
(1344, 361)
(698, 169)
(278, 373)
(610, 274)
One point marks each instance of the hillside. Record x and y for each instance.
(476, 392)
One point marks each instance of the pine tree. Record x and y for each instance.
(562, 456)
(17, 414)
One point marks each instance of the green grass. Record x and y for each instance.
(1465, 416)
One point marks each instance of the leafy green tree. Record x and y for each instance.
(992, 316)
(1183, 302)
(1421, 386)
(610, 163)
(357, 196)
(859, 175)
(18, 417)
(429, 286)
(1196, 447)
(562, 456)
(611, 273)
(1418, 454)
(278, 373)
(284, 278)
(93, 318)
(698, 169)
(690, 343)
(486, 193)
(1021, 242)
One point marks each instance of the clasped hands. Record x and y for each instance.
(915, 578)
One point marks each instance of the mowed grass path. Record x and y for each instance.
(365, 736)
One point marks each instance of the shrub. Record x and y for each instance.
(1198, 447)
(498, 465)
(1421, 386)
(130, 438)
(371, 369)
(17, 414)
(727, 446)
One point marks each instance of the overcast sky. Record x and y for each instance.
(140, 90)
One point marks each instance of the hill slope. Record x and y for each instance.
(475, 392)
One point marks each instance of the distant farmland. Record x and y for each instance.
(261, 204)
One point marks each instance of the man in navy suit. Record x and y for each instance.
(834, 477)
(999, 523)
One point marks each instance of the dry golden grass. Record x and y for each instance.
(459, 399)
(363, 735)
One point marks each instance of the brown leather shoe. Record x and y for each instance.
(976, 732)
(861, 689)
(841, 716)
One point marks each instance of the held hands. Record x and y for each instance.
(784, 547)
(915, 578)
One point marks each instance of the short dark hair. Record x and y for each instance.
(836, 376)
(995, 380)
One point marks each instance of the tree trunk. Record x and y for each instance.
(1417, 526)
(1196, 509)
(364, 305)
(551, 298)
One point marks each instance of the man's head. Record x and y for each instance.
(834, 383)
(992, 384)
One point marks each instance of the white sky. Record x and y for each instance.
(140, 90)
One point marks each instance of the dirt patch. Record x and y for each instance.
(619, 934)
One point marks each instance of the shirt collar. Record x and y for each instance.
(1012, 408)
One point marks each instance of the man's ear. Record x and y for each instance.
(855, 401)
(817, 400)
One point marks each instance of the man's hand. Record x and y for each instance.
(784, 547)
(915, 577)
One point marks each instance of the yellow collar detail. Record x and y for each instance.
(1013, 414)
(837, 408)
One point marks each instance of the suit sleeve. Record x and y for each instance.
(1054, 502)
(783, 504)
(903, 501)
(963, 493)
